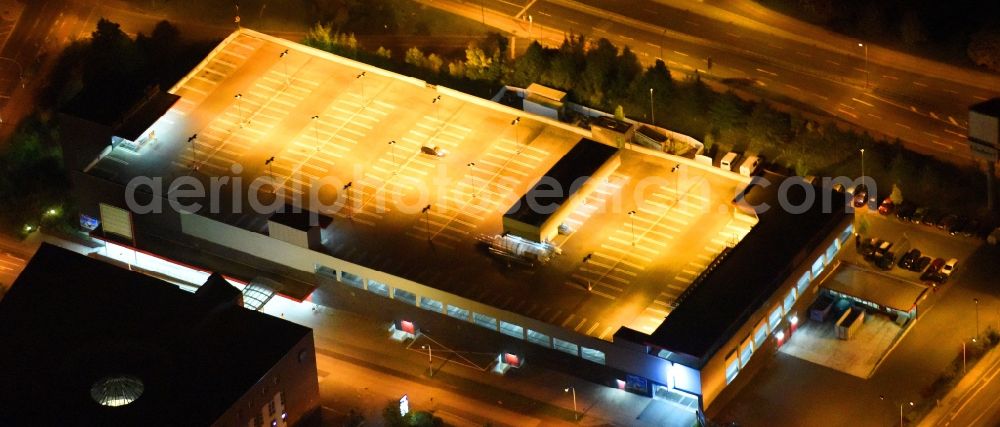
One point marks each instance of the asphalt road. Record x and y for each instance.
(929, 114)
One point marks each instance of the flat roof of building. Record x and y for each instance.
(369, 133)
(582, 161)
(879, 288)
(749, 275)
(194, 354)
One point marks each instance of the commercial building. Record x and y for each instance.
(648, 278)
(88, 343)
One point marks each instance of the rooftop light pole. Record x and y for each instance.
(392, 151)
(514, 123)
(631, 217)
(239, 107)
(531, 25)
(194, 152)
(901, 405)
(347, 189)
(576, 413)
(360, 77)
(269, 170)
(427, 220)
(288, 78)
(315, 120)
(677, 179)
(437, 111)
(472, 173)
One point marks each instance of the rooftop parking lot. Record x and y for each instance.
(346, 139)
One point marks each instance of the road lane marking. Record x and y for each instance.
(902, 125)
(955, 133)
(920, 84)
(832, 62)
(875, 116)
(862, 102)
(793, 87)
(680, 53)
(768, 72)
(884, 76)
(803, 54)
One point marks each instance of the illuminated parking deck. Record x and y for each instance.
(414, 175)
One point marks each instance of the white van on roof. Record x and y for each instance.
(749, 166)
(728, 161)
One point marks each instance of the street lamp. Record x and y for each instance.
(283, 54)
(430, 360)
(901, 405)
(576, 413)
(472, 174)
(531, 24)
(631, 217)
(359, 77)
(976, 300)
(239, 107)
(866, 63)
(652, 116)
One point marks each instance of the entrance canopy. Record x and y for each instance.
(879, 288)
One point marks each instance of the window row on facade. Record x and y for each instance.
(479, 319)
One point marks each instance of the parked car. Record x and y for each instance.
(433, 151)
(860, 196)
(921, 264)
(957, 226)
(932, 218)
(868, 246)
(918, 215)
(932, 270)
(909, 259)
(883, 248)
(946, 222)
(949, 267)
(905, 212)
(885, 261)
(970, 228)
(887, 207)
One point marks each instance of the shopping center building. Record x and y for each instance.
(630, 267)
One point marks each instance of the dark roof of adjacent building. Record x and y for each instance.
(70, 320)
(719, 303)
(300, 219)
(582, 161)
(989, 107)
(611, 123)
(144, 114)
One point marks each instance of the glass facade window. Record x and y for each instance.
(378, 288)
(404, 296)
(511, 329)
(431, 304)
(539, 338)
(817, 267)
(351, 279)
(760, 334)
(846, 235)
(789, 299)
(746, 350)
(458, 312)
(565, 346)
(592, 355)
(326, 271)
(831, 252)
(774, 318)
(803, 283)
(484, 321)
(732, 367)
